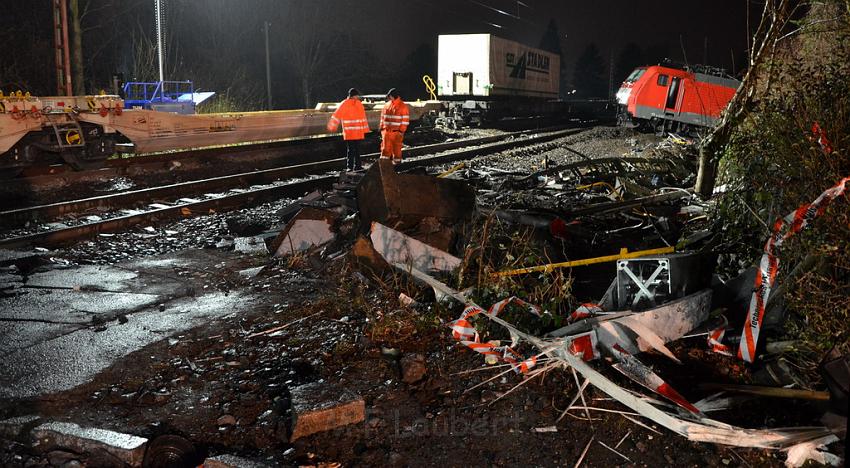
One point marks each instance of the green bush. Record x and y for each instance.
(773, 164)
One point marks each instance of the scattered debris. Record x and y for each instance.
(251, 245)
(492, 229)
(226, 420)
(321, 406)
(546, 429)
(407, 300)
(694, 426)
(800, 454)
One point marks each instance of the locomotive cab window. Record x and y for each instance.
(662, 80)
(635, 75)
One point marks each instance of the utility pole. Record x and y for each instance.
(268, 67)
(62, 53)
(611, 75)
(159, 52)
(76, 44)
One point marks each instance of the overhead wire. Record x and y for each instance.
(430, 5)
(505, 13)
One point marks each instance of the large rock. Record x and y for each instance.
(413, 368)
(319, 407)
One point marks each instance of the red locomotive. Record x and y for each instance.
(669, 98)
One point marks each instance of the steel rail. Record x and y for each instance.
(18, 217)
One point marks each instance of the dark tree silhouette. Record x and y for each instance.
(552, 41)
(589, 78)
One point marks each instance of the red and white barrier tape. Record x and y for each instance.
(465, 333)
(820, 136)
(584, 346)
(715, 339)
(783, 229)
(632, 368)
(586, 310)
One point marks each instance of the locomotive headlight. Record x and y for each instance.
(623, 96)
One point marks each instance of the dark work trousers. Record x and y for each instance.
(352, 154)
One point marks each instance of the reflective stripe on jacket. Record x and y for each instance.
(352, 116)
(395, 116)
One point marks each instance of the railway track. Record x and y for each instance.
(234, 191)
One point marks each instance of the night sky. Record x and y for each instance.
(609, 23)
(387, 31)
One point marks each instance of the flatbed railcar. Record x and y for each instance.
(83, 131)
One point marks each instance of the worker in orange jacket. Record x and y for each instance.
(395, 118)
(351, 114)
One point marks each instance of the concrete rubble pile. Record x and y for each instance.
(630, 216)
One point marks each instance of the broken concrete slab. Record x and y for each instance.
(84, 440)
(396, 247)
(319, 407)
(309, 228)
(402, 200)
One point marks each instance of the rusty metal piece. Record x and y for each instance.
(403, 200)
(171, 451)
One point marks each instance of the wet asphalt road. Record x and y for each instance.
(60, 327)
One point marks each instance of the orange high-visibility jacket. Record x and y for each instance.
(352, 116)
(395, 116)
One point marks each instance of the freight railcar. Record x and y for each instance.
(83, 131)
(482, 77)
(674, 98)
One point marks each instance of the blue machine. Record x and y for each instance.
(164, 96)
